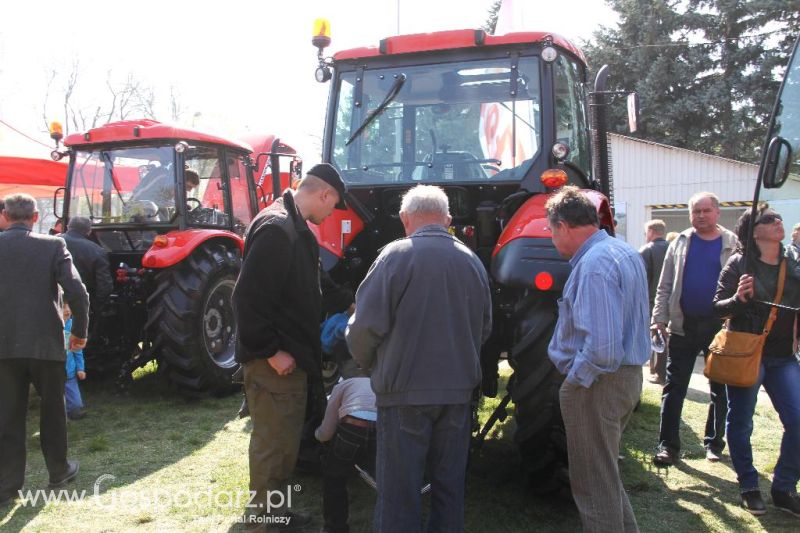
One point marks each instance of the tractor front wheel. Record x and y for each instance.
(190, 319)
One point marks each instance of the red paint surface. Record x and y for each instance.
(182, 243)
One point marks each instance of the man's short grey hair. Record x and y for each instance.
(80, 224)
(427, 200)
(20, 207)
(571, 206)
(657, 225)
(696, 197)
(796, 227)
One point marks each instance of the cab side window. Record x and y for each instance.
(205, 202)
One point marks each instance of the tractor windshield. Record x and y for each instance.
(453, 122)
(124, 186)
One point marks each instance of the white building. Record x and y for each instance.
(653, 180)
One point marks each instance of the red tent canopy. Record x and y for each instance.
(37, 177)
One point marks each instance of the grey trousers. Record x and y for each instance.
(594, 419)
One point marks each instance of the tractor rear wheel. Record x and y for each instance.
(534, 389)
(190, 319)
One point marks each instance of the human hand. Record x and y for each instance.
(282, 362)
(659, 326)
(76, 343)
(81, 375)
(745, 290)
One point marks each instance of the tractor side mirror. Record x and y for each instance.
(776, 164)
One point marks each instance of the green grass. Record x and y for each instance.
(152, 439)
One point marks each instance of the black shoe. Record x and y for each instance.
(664, 457)
(77, 414)
(753, 502)
(786, 501)
(72, 473)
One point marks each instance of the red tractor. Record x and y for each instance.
(499, 122)
(174, 241)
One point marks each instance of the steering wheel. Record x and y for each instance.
(193, 200)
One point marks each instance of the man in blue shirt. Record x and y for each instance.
(600, 343)
(683, 310)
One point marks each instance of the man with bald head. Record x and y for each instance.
(278, 306)
(422, 313)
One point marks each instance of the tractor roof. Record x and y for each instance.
(135, 130)
(453, 39)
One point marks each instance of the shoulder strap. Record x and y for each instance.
(778, 295)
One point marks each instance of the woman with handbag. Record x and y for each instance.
(739, 297)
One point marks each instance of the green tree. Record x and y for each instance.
(746, 46)
(706, 70)
(491, 21)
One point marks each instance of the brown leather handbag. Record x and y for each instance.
(735, 356)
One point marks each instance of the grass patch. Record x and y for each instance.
(153, 442)
(98, 444)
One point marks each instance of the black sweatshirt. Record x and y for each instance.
(277, 297)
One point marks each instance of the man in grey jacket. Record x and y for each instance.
(32, 267)
(683, 309)
(422, 313)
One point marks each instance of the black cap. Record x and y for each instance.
(330, 175)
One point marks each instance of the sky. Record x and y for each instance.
(236, 66)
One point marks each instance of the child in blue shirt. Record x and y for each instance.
(75, 372)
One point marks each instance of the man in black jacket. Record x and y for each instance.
(32, 267)
(91, 260)
(653, 255)
(278, 305)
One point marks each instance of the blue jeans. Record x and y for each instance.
(72, 394)
(409, 438)
(781, 379)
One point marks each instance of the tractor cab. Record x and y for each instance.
(135, 188)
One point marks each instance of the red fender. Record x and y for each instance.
(337, 231)
(530, 220)
(175, 246)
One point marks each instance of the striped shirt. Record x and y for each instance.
(603, 313)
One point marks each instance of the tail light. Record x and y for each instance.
(543, 281)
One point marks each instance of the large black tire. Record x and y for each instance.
(534, 389)
(190, 319)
